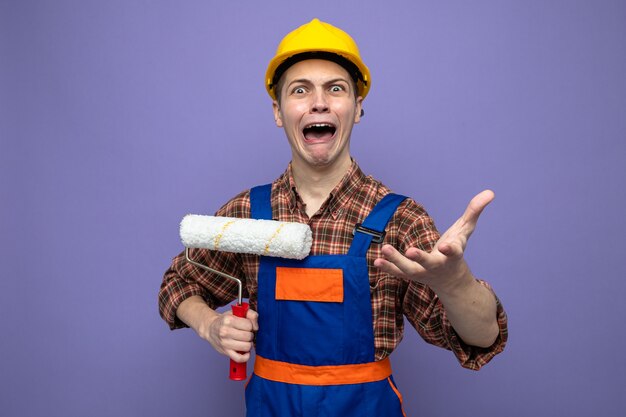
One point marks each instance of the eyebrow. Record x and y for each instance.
(308, 81)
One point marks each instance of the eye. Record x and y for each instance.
(336, 88)
(298, 90)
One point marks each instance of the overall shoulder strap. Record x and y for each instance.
(261, 202)
(374, 224)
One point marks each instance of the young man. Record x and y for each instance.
(322, 348)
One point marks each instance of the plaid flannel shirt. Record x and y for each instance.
(349, 203)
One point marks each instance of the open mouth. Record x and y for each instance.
(319, 131)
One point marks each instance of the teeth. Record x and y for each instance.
(319, 125)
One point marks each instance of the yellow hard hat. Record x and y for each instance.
(322, 40)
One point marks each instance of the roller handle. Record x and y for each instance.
(238, 370)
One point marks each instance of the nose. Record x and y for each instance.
(319, 102)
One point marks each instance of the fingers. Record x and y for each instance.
(239, 341)
(389, 268)
(451, 249)
(238, 329)
(233, 336)
(394, 263)
(446, 258)
(248, 323)
(238, 356)
(253, 316)
(236, 344)
(418, 256)
(437, 258)
(476, 207)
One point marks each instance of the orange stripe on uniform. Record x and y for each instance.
(291, 373)
(393, 387)
(309, 284)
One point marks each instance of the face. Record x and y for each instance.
(318, 107)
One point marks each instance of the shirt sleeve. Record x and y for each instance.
(183, 280)
(424, 310)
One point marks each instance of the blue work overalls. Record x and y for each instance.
(315, 344)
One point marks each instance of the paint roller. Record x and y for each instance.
(258, 237)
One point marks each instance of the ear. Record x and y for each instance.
(358, 109)
(277, 116)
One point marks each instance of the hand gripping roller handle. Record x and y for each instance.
(252, 236)
(238, 370)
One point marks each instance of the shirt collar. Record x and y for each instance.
(342, 193)
(287, 186)
(339, 196)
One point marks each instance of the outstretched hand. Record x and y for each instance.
(444, 267)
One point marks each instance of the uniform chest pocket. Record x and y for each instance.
(309, 284)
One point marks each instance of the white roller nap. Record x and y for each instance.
(259, 237)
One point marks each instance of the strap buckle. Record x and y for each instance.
(378, 237)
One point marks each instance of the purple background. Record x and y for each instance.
(117, 118)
